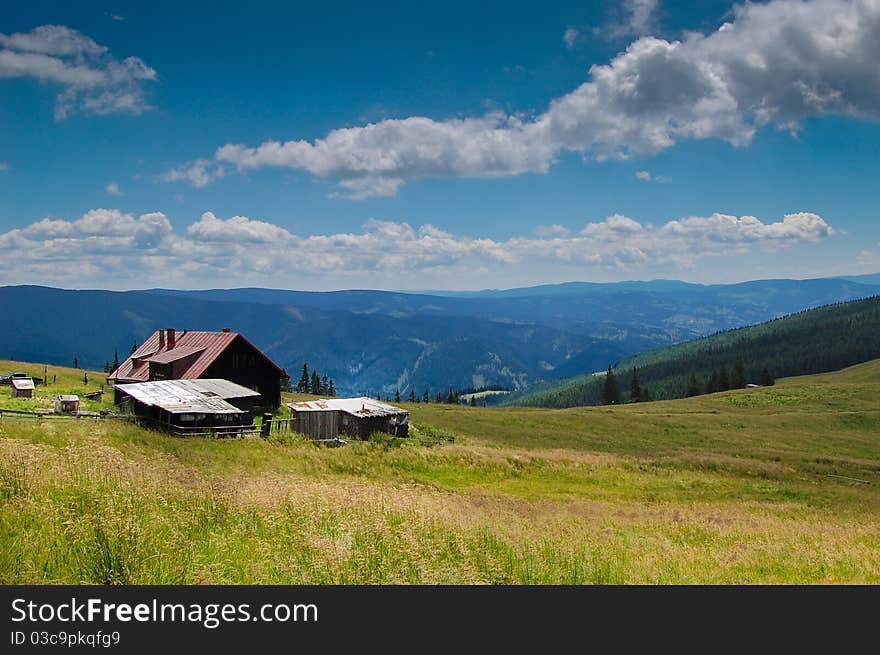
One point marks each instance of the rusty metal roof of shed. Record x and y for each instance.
(361, 407)
(189, 396)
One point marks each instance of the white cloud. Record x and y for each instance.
(91, 80)
(370, 186)
(199, 173)
(553, 230)
(772, 64)
(570, 37)
(647, 176)
(113, 189)
(238, 229)
(145, 250)
(639, 18)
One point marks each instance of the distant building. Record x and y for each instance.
(22, 388)
(193, 355)
(186, 407)
(353, 417)
(66, 404)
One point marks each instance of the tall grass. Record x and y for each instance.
(710, 491)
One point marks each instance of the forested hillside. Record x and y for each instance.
(813, 341)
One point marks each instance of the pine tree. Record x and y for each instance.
(315, 384)
(738, 375)
(426, 398)
(115, 360)
(106, 366)
(325, 384)
(397, 395)
(134, 347)
(439, 398)
(331, 391)
(378, 396)
(723, 379)
(610, 392)
(75, 362)
(303, 385)
(766, 379)
(412, 396)
(693, 388)
(635, 388)
(712, 383)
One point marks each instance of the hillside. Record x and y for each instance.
(812, 341)
(770, 485)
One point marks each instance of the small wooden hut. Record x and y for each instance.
(66, 404)
(353, 417)
(22, 388)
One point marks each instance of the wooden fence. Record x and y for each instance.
(21, 415)
(238, 431)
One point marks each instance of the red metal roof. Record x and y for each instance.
(168, 356)
(186, 342)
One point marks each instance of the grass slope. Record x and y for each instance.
(62, 380)
(733, 487)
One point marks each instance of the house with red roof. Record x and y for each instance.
(194, 354)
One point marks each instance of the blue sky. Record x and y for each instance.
(473, 146)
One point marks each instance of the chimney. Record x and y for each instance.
(170, 333)
(227, 330)
(161, 340)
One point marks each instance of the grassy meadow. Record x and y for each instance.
(769, 485)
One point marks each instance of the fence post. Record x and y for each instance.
(266, 426)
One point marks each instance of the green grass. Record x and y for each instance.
(733, 487)
(61, 380)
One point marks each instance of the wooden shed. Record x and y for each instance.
(66, 404)
(22, 388)
(353, 417)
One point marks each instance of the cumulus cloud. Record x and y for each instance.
(771, 64)
(570, 37)
(146, 249)
(238, 229)
(91, 80)
(639, 18)
(113, 189)
(199, 173)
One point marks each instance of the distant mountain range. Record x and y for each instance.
(813, 341)
(370, 341)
